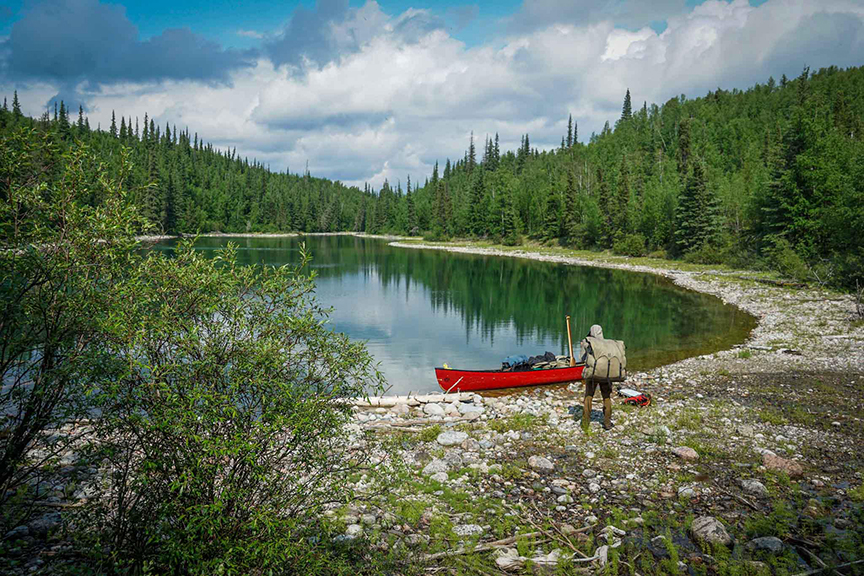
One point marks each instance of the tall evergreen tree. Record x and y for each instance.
(627, 108)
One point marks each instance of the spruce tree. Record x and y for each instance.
(16, 108)
(113, 129)
(627, 109)
(570, 132)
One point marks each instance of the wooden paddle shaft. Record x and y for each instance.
(570, 342)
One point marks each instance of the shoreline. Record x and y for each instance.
(163, 237)
(730, 438)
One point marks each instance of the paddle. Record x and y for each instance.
(570, 342)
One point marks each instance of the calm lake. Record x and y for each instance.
(418, 309)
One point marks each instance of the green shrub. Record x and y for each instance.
(705, 254)
(629, 245)
(53, 279)
(437, 234)
(225, 433)
(783, 258)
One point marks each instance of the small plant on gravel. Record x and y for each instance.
(857, 494)
(744, 354)
(430, 433)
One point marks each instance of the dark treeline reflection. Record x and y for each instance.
(471, 311)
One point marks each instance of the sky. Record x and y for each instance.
(363, 91)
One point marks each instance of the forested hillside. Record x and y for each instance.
(771, 176)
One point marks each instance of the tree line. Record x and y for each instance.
(770, 176)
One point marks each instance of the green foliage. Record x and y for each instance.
(779, 522)
(57, 256)
(718, 178)
(857, 494)
(630, 245)
(227, 423)
(430, 433)
(783, 258)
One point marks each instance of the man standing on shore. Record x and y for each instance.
(591, 386)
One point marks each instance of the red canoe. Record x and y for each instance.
(477, 380)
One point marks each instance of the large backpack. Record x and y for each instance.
(605, 360)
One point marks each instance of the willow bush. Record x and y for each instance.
(225, 437)
(58, 256)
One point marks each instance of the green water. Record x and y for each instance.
(418, 309)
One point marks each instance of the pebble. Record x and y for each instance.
(593, 487)
(354, 531)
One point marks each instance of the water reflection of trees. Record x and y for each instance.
(531, 298)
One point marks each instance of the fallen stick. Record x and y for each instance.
(481, 548)
(818, 570)
(737, 497)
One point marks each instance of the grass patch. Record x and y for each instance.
(430, 434)
(744, 354)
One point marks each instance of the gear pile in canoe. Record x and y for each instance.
(515, 371)
(452, 380)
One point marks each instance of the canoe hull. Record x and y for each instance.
(479, 380)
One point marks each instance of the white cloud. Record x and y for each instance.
(401, 93)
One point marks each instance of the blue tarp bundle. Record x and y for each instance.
(515, 360)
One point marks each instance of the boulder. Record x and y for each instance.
(436, 466)
(451, 438)
(686, 453)
(433, 410)
(541, 464)
(439, 477)
(754, 488)
(353, 531)
(778, 464)
(707, 529)
(770, 544)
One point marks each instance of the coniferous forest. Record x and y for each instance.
(768, 177)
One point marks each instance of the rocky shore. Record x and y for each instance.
(749, 457)
(748, 461)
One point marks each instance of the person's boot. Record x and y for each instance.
(607, 414)
(586, 412)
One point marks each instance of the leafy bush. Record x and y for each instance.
(706, 254)
(225, 436)
(58, 256)
(629, 245)
(437, 234)
(783, 258)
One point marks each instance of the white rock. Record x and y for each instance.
(433, 410)
(353, 531)
(541, 464)
(468, 530)
(707, 529)
(439, 477)
(451, 438)
(754, 488)
(436, 466)
(593, 487)
(465, 408)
